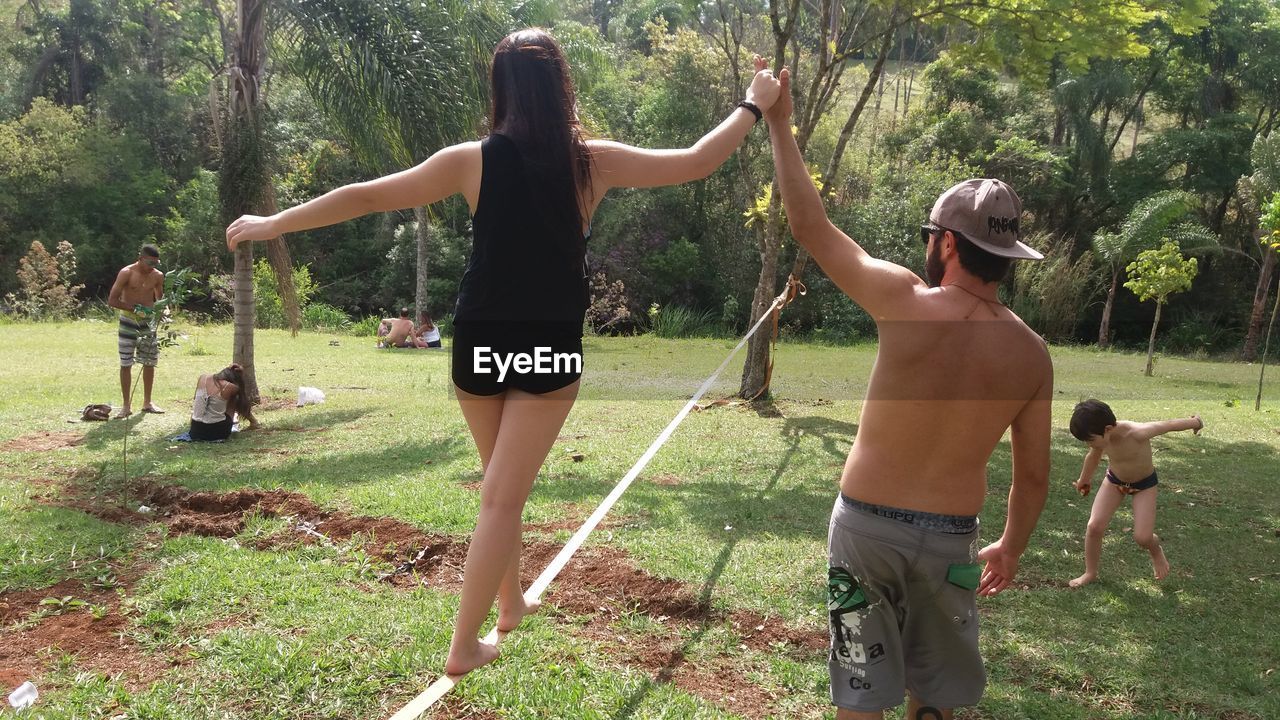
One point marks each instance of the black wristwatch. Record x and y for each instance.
(755, 109)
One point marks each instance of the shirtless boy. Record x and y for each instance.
(955, 369)
(1130, 472)
(137, 288)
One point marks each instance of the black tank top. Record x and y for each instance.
(518, 269)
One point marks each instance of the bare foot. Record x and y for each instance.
(152, 408)
(1083, 580)
(509, 618)
(1160, 563)
(124, 413)
(463, 661)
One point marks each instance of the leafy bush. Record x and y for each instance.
(1199, 331)
(730, 313)
(46, 292)
(320, 316)
(1051, 295)
(608, 304)
(842, 320)
(681, 322)
(266, 297)
(366, 327)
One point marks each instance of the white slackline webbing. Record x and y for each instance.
(441, 687)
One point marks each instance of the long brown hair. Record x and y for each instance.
(533, 103)
(234, 374)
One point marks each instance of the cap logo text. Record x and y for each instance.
(1002, 224)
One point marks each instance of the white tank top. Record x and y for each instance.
(208, 408)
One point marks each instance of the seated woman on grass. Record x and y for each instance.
(217, 402)
(427, 332)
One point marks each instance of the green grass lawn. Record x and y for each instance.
(734, 510)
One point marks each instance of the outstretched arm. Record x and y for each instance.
(1146, 431)
(435, 179)
(621, 165)
(879, 287)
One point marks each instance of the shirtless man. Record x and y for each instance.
(954, 371)
(137, 288)
(400, 334)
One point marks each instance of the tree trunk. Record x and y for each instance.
(1137, 129)
(243, 309)
(420, 288)
(1266, 347)
(1151, 344)
(1104, 330)
(756, 367)
(1250, 351)
(875, 122)
(243, 178)
(1220, 212)
(1134, 110)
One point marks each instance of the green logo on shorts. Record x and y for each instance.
(843, 593)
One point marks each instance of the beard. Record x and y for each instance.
(934, 268)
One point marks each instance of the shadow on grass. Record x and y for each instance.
(284, 454)
(636, 698)
(112, 431)
(836, 435)
(1155, 637)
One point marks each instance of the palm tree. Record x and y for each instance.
(400, 79)
(367, 72)
(244, 181)
(1152, 220)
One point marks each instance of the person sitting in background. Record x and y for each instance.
(427, 333)
(216, 397)
(401, 333)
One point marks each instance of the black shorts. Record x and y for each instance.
(488, 358)
(210, 431)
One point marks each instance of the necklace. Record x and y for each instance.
(979, 297)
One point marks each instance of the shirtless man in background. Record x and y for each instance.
(137, 288)
(400, 332)
(955, 369)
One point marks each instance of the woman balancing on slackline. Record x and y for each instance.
(532, 186)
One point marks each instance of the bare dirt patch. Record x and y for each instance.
(599, 583)
(662, 656)
(667, 479)
(44, 441)
(279, 402)
(36, 633)
(220, 514)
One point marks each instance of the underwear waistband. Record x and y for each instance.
(950, 524)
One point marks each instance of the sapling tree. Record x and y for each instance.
(1156, 275)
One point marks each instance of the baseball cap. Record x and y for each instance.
(986, 211)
